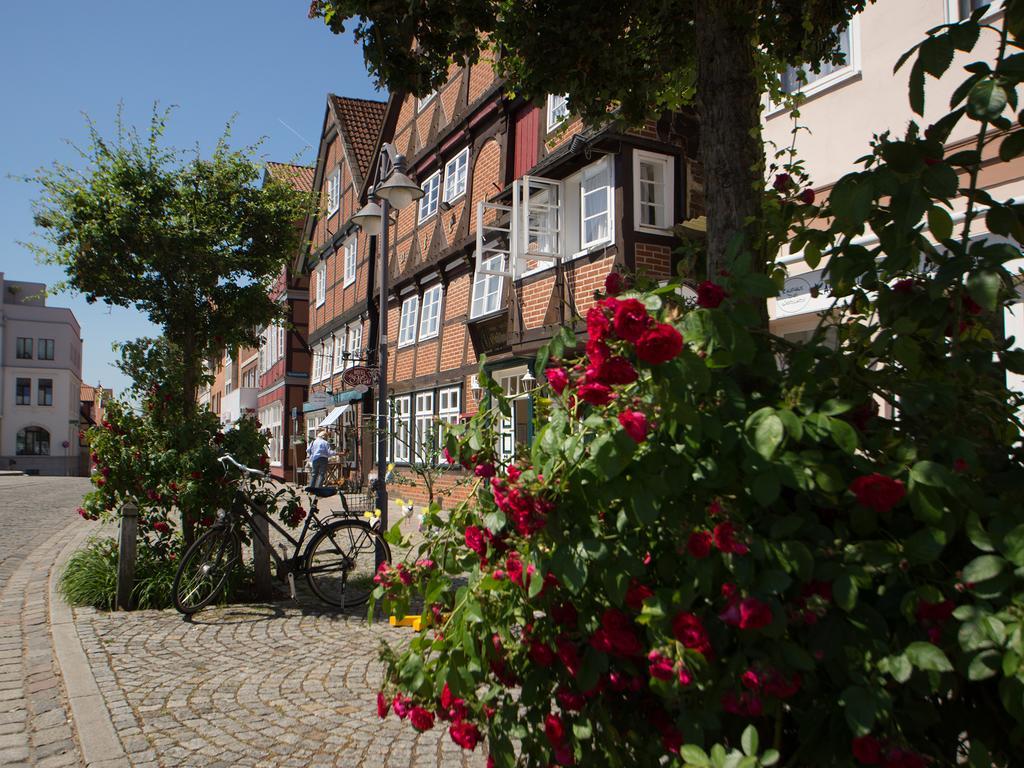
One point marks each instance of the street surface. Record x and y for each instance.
(277, 684)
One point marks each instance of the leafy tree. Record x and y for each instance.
(193, 242)
(639, 58)
(687, 572)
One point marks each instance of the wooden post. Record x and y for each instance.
(126, 552)
(261, 559)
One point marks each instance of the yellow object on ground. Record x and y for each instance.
(406, 621)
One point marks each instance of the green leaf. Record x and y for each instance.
(986, 100)
(936, 55)
(749, 740)
(766, 432)
(984, 289)
(844, 435)
(977, 534)
(925, 546)
(930, 473)
(611, 453)
(927, 657)
(940, 223)
(1013, 545)
(984, 665)
(916, 86)
(694, 755)
(900, 668)
(773, 581)
(964, 35)
(844, 590)
(770, 757)
(861, 709)
(983, 568)
(1012, 146)
(851, 200)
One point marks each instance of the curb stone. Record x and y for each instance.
(93, 724)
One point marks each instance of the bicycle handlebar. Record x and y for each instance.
(227, 458)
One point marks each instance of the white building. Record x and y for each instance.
(40, 381)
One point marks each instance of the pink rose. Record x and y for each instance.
(558, 378)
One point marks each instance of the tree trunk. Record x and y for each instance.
(728, 101)
(191, 372)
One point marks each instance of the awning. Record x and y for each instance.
(334, 415)
(349, 396)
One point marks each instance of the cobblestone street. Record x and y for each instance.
(279, 684)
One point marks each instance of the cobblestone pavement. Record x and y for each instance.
(279, 684)
(36, 515)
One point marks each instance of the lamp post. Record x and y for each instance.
(393, 189)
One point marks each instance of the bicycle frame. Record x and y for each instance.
(247, 509)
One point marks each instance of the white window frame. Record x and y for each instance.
(327, 350)
(487, 288)
(334, 191)
(849, 70)
(351, 250)
(407, 321)
(355, 343)
(430, 313)
(558, 110)
(401, 421)
(424, 426)
(954, 14)
(423, 101)
(340, 348)
(456, 172)
(449, 409)
(321, 283)
(318, 363)
(667, 164)
(272, 418)
(431, 196)
(590, 172)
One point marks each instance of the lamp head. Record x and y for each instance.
(369, 218)
(399, 190)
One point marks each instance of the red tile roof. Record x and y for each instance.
(299, 176)
(361, 120)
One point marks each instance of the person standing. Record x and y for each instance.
(318, 452)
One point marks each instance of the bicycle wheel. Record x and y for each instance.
(204, 569)
(341, 562)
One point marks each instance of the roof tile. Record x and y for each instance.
(299, 176)
(362, 119)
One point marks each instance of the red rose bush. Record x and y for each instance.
(719, 549)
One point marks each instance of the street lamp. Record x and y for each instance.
(392, 188)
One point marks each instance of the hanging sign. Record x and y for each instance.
(360, 375)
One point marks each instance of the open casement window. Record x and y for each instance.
(407, 323)
(526, 235)
(513, 430)
(596, 205)
(401, 428)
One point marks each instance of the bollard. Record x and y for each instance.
(126, 552)
(261, 559)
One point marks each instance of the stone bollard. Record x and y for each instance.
(261, 559)
(126, 553)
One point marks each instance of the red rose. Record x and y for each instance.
(614, 370)
(594, 393)
(614, 284)
(807, 196)
(782, 183)
(558, 378)
(688, 630)
(660, 667)
(485, 470)
(475, 540)
(541, 653)
(161, 527)
(754, 614)
(564, 755)
(598, 323)
(751, 679)
(904, 287)
(635, 424)
(465, 734)
(699, 544)
(616, 635)
(402, 706)
(631, 320)
(568, 654)
(879, 492)
(597, 352)
(568, 700)
(685, 677)
(514, 567)
(710, 295)
(447, 455)
(383, 705)
(659, 344)
(867, 750)
(778, 686)
(554, 729)
(636, 594)
(725, 539)
(421, 719)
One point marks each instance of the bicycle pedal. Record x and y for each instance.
(291, 585)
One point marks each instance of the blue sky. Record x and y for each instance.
(262, 61)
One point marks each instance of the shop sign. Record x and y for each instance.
(360, 375)
(809, 292)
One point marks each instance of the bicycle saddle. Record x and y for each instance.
(322, 492)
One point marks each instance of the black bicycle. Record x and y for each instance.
(339, 562)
